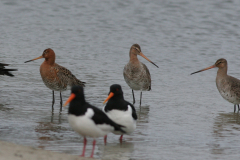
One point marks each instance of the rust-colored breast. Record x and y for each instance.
(50, 77)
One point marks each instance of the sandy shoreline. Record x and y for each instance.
(10, 151)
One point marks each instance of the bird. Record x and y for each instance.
(120, 111)
(228, 86)
(88, 120)
(54, 76)
(136, 74)
(4, 71)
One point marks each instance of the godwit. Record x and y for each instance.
(88, 120)
(228, 86)
(54, 76)
(4, 71)
(135, 73)
(120, 111)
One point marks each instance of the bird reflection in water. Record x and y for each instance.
(225, 132)
(117, 151)
(143, 114)
(49, 129)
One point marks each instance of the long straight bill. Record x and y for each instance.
(34, 59)
(141, 54)
(213, 66)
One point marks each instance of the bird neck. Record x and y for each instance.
(133, 58)
(116, 103)
(117, 97)
(77, 107)
(50, 60)
(222, 72)
(80, 99)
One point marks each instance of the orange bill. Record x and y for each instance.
(109, 96)
(213, 66)
(141, 54)
(72, 96)
(34, 59)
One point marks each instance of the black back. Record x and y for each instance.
(4, 71)
(117, 101)
(78, 106)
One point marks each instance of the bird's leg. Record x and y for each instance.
(120, 139)
(133, 96)
(238, 107)
(234, 108)
(84, 147)
(53, 100)
(105, 139)
(60, 101)
(94, 142)
(140, 98)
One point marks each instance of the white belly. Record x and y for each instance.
(123, 118)
(86, 127)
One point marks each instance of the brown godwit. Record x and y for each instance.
(136, 74)
(54, 76)
(4, 71)
(228, 86)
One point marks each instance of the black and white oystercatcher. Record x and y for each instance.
(87, 120)
(120, 111)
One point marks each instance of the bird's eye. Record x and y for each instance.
(137, 49)
(117, 89)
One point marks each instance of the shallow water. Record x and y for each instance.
(183, 117)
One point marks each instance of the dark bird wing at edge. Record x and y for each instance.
(4, 71)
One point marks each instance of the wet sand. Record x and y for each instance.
(11, 151)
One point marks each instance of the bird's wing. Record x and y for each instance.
(4, 71)
(66, 76)
(100, 117)
(134, 114)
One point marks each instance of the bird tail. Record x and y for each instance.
(119, 127)
(149, 88)
(79, 83)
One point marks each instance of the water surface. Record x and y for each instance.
(183, 117)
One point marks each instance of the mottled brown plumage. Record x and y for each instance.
(54, 76)
(136, 74)
(228, 86)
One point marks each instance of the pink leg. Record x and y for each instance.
(94, 142)
(105, 139)
(120, 139)
(84, 147)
